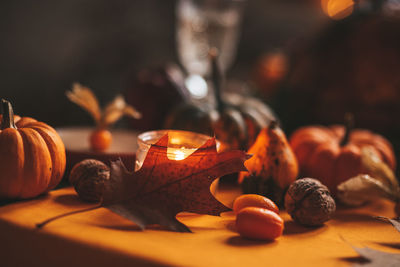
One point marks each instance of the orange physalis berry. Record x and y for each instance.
(100, 139)
(259, 223)
(254, 200)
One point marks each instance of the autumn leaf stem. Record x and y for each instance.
(40, 225)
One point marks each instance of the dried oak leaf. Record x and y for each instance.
(162, 188)
(394, 222)
(379, 258)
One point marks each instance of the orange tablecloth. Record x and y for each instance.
(101, 238)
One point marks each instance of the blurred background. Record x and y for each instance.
(48, 45)
(311, 60)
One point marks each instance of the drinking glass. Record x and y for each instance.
(201, 25)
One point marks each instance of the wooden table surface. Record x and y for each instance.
(102, 238)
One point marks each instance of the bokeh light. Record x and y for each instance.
(337, 9)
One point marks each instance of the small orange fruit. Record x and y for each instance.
(259, 223)
(100, 139)
(253, 200)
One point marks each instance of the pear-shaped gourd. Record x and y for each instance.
(273, 166)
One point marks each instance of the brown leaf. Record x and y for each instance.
(394, 222)
(162, 187)
(378, 258)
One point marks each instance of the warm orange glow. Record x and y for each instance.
(179, 153)
(181, 144)
(274, 66)
(337, 9)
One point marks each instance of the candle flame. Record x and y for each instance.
(179, 155)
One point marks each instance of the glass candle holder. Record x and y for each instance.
(181, 144)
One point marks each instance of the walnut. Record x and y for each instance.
(88, 177)
(309, 202)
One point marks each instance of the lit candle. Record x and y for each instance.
(179, 154)
(181, 144)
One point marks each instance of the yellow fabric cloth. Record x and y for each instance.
(102, 238)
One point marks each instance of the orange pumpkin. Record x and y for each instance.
(333, 154)
(32, 156)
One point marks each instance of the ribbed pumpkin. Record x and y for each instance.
(32, 156)
(235, 121)
(333, 154)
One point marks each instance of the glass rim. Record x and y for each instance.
(157, 134)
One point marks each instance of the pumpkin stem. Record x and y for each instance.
(40, 225)
(8, 115)
(349, 126)
(216, 78)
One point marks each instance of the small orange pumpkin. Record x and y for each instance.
(333, 154)
(32, 156)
